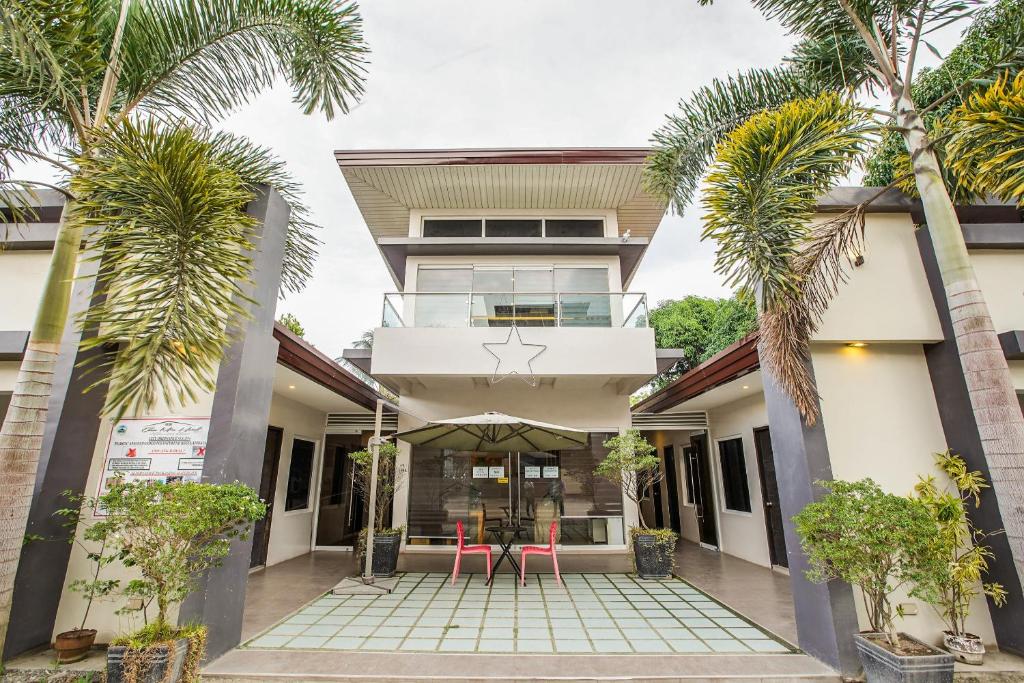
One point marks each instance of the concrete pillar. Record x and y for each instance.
(826, 614)
(71, 429)
(961, 432)
(238, 423)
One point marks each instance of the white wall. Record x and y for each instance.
(887, 298)
(22, 276)
(1001, 276)
(8, 374)
(291, 532)
(881, 421)
(741, 534)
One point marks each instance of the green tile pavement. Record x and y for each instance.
(592, 613)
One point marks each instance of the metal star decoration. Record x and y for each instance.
(514, 357)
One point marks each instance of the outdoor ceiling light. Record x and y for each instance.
(291, 386)
(745, 386)
(857, 345)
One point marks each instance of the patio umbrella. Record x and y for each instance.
(495, 432)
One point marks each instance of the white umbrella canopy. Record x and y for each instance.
(495, 432)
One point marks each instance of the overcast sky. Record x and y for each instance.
(483, 73)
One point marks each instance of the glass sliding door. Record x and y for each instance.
(341, 509)
(529, 489)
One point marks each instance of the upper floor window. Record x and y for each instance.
(513, 227)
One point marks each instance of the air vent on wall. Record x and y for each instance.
(695, 419)
(346, 423)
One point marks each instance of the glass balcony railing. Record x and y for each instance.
(522, 309)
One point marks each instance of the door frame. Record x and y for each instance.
(766, 505)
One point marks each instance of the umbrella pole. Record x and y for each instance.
(374, 468)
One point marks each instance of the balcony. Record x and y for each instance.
(519, 309)
(587, 340)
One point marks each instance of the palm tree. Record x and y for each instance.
(771, 141)
(88, 78)
(365, 341)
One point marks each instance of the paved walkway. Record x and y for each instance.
(592, 613)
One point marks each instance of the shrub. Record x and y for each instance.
(173, 532)
(95, 542)
(961, 556)
(389, 477)
(868, 538)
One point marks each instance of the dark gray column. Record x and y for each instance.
(826, 615)
(69, 439)
(238, 423)
(961, 432)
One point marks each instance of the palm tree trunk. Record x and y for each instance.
(994, 402)
(21, 437)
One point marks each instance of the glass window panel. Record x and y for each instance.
(534, 280)
(492, 280)
(516, 227)
(734, 475)
(444, 279)
(300, 471)
(574, 227)
(493, 310)
(448, 227)
(581, 279)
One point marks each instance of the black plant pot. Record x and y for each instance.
(653, 557)
(385, 555)
(884, 666)
(162, 665)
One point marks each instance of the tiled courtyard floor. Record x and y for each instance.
(593, 613)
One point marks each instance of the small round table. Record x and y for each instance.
(499, 533)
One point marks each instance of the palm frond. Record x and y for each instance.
(173, 242)
(204, 58)
(986, 148)
(760, 198)
(685, 145)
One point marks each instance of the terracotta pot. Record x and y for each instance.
(967, 647)
(73, 646)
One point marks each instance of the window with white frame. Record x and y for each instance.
(734, 475)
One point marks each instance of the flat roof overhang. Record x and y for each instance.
(396, 249)
(508, 155)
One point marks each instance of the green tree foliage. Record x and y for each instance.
(94, 541)
(986, 145)
(631, 464)
(293, 324)
(961, 555)
(990, 41)
(171, 533)
(871, 539)
(701, 327)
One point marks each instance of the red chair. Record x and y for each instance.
(462, 548)
(540, 550)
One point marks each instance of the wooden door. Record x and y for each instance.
(770, 497)
(268, 484)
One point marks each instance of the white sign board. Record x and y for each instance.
(551, 472)
(497, 472)
(531, 471)
(164, 449)
(480, 472)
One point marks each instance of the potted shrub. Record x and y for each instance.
(962, 556)
(387, 540)
(74, 645)
(170, 533)
(631, 464)
(878, 542)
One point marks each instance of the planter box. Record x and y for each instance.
(884, 666)
(163, 667)
(385, 555)
(652, 560)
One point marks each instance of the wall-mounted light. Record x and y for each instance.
(857, 345)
